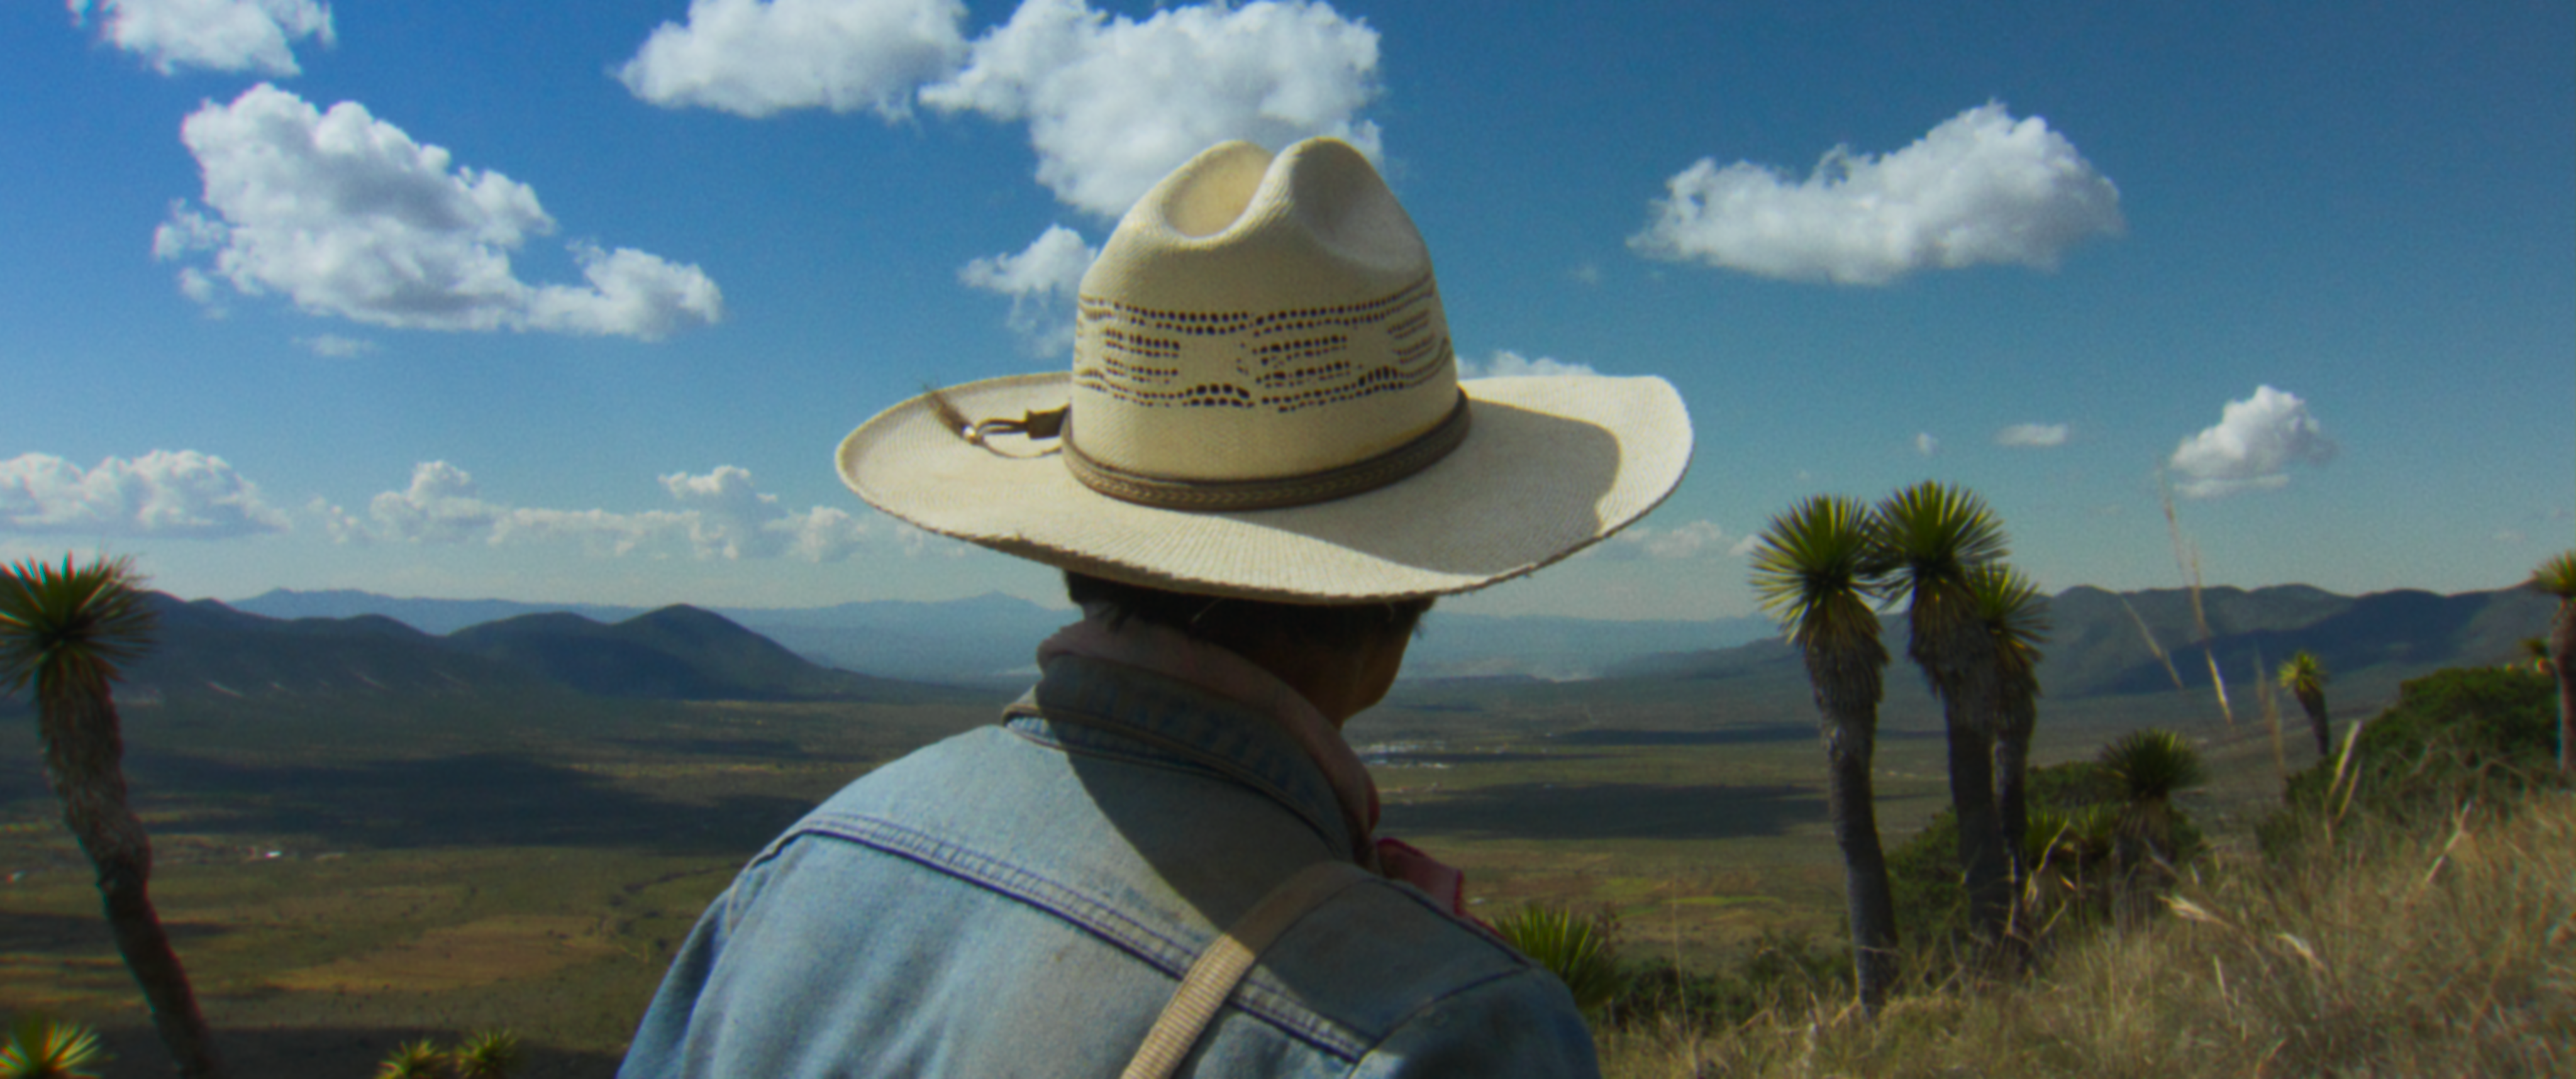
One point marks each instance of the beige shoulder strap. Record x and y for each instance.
(1219, 969)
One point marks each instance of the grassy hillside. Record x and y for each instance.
(2401, 952)
(2407, 911)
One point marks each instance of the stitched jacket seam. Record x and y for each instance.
(1079, 910)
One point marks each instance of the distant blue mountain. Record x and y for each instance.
(675, 653)
(994, 636)
(437, 617)
(2123, 643)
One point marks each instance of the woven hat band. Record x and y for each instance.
(1227, 496)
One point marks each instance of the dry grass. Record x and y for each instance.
(477, 953)
(2443, 952)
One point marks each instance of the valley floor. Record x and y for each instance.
(340, 883)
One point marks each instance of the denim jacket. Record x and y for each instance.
(1023, 899)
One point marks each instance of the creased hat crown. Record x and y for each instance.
(1264, 404)
(1260, 318)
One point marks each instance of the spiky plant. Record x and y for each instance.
(1927, 541)
(2304, 675)
(65, 631)
(1578, 950)
(1811, 569)
(42, 1048)
(2016, 615)
(2150, 766)
(2557, 576)
(422, 1059)
(488, 1055)
(2066, 850)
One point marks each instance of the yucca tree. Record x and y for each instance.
(2304, 675)
(2016, 616)
(65, 631)
(1811, 568)
(1928, 540)
(2558, 578)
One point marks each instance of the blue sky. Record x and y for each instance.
(572, 301)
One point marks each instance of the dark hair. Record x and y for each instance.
(1236, 623)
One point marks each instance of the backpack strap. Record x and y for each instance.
(1223, 965)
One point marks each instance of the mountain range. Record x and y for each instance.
(995, 636)
(2102, 644)
(675, 653)
(2105, 643)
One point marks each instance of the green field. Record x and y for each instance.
(338, 882)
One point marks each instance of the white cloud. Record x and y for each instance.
(721, 514)
(2032, 435)
(441, 506)
(1684, 541)
(729, 519)
(2252, 448)
(1508, 364)
(757, 57)
(1925, 444)
(217, 35)
(337, 347)
(1980, 188)
(162, 493)
(1114, 104)
(350, 217)
(1041, 281)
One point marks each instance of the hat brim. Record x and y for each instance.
(1551, 465)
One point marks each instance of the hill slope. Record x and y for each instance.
(676, 653)
(204, 648)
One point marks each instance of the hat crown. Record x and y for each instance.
(1260, 317)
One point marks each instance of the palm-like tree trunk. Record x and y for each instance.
(1812, 569)
(2562, 665)
(65, 631)
(2313, 702)
(1971, 697)
(1847, 687)
(1929, 541)
(84, 754)
(2012, 774)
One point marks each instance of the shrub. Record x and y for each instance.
(1579, 950)
(2453, 737)
(488, 1055)
(2074, 811)
(42, 1048)
(416, 1060)
(1780, 970)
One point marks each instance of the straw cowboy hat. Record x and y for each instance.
(1263, 404)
